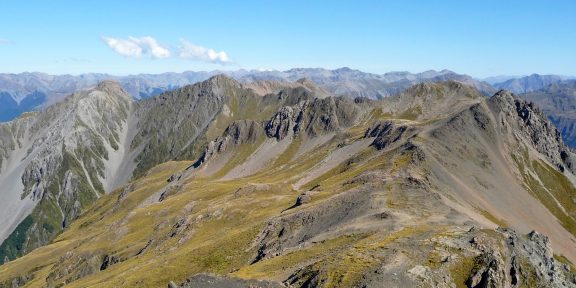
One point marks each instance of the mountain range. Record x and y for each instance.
(33, 90)
(20, 93)
(277, 181)
(530, 83)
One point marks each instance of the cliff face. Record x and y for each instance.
(313, 118)
(529, 124)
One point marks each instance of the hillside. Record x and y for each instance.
(289, 189)
(96, 140)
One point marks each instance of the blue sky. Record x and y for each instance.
(480, 38)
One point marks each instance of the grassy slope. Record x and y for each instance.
(221, 226)
(550, 187)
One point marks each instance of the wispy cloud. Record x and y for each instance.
(5, 41)
(137, 47)
(188, 50)
(73, 60)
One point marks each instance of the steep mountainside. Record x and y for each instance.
(558, 101)
(71, 153)
(57, 162)
(290, 190)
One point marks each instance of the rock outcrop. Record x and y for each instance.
(387, 133)
(530, 125)
(238, 133)
(313, 118)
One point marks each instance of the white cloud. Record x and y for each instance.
(5, 41)
(151, 46)
(137, 47)
(126, 48)
(195, 52)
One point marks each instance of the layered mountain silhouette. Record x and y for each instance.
(20, 93)
(529, 83)
(33, 90)
(282, 183)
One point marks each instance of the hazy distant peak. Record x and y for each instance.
(109, 84)
(529, 83)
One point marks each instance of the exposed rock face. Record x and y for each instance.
(388, 132)
(496, 259)
(526, 262)
(528, 123)
(284, 122)
(239, 132)
(313, 118)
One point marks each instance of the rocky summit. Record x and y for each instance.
(288, 183)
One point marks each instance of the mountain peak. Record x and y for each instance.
(444, 87)
(112, 88)
(345, 69)
(222, 79)
(503, 95)
(108, 84)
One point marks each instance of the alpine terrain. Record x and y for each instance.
(26, 92)
(287, 182)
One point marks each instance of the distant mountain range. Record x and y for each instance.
(24, 92)
(529, 83)
(32, 90)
